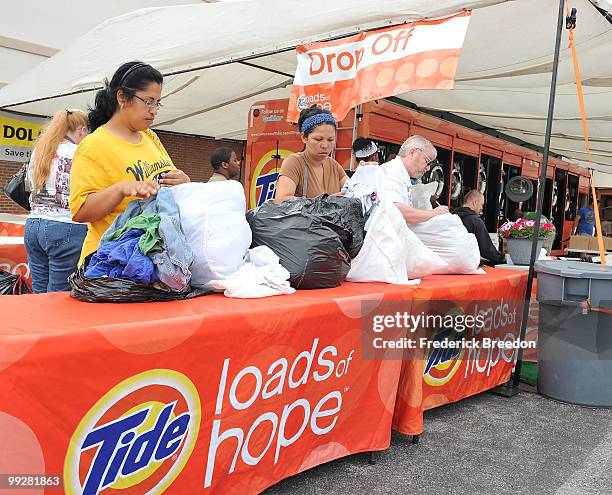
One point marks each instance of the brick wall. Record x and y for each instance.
(192, 154)
(189, 153)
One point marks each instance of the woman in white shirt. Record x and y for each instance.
(53, 241)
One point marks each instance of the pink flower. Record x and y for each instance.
(529, 223)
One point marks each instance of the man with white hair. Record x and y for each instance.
(413, 160)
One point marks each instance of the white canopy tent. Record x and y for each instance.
(219, 58)
(29, 31)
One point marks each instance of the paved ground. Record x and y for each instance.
(483, 445)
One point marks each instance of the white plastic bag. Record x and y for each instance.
(391, 252)
(383, 255)
(213, 221)
(422, 193)
(447, 236)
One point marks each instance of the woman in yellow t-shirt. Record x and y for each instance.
(122, 159)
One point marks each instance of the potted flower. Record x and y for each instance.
(519, 236)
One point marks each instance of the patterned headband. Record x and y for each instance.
(315, 120)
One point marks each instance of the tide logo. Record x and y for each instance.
(137, 437)
(442, 363)
(265, 175)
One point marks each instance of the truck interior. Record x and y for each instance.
(507, 206)
(559, 201)
(490, 167)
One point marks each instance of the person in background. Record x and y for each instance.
(413, 160)
(52, 240)
(122, 159)
(365, 152)
(584, 224)
(470, 216)
(312, 172)
(225, 164)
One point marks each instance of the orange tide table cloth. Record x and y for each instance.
(448, 375)
(209, 395)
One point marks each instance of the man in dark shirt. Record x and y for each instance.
(469, 214)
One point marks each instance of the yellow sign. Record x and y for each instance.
(17, 135)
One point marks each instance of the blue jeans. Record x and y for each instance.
(53, 250)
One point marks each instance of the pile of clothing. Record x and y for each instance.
(145, 244)
(189, 240)
(261, 275)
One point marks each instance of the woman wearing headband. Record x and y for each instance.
(312, 172)
(122, 159)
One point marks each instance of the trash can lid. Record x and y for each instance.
(574, 269)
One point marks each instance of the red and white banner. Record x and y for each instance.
(338, 75)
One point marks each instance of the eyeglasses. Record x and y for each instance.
(150, 103)
(428, 160)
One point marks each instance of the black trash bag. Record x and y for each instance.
(119, 290)
(13, 285)
(312, 252)
(343, 215)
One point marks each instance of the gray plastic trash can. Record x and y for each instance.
(575, 338)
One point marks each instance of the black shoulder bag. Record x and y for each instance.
(16, 189)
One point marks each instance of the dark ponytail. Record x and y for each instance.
(103, 110)
(130, 77)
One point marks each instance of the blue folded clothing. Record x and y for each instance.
(122, 259)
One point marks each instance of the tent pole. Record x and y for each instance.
(513, 388)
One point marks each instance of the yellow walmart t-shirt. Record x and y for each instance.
(103, 159)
